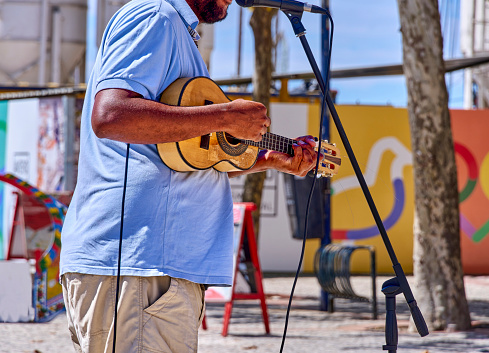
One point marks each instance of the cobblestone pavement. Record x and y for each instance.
(349, 329)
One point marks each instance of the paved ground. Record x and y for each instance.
(349, 329)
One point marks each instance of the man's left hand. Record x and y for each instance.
(301, 163)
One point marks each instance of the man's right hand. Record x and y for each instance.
(248, 120)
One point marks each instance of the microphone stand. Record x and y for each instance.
(399, 283)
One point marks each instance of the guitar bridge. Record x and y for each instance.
(204, 141)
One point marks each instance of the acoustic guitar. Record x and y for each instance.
(220, 150)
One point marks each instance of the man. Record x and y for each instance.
(177, 235)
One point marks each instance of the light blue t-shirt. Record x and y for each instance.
(176, 224)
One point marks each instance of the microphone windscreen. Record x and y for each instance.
(245, 3)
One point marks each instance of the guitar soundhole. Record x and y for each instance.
(230, 145)
(232, 140)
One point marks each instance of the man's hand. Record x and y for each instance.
(300, 164)
(248, 120)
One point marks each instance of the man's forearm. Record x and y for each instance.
(125, 116)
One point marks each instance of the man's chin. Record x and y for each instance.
(215, 19)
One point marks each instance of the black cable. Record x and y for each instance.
(120, 248)
(304, 237)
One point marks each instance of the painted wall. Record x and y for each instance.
(380, 138)
(472, 156)
(32, 146)
(278, 251)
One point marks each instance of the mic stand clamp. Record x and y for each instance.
(295, 19)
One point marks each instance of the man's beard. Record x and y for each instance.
(209, 11)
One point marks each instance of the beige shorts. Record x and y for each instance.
(156, 314)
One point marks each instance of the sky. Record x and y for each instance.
(366, 33)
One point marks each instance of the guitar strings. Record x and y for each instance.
(272, 142)
(284, 145)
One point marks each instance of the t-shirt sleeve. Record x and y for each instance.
(138, 54)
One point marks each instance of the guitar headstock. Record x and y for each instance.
(330, 161)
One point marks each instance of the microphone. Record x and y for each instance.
(284, 5)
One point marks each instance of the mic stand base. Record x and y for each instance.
(391, 288)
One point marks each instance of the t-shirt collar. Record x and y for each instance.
(188, 16)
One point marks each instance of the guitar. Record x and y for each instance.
(220, 150)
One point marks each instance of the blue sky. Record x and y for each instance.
(366, 34)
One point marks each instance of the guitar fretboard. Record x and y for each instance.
(273, 142)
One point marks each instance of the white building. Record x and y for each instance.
(474, 41)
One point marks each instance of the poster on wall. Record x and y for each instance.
(50, 145)
(20, 153)
(22, 136)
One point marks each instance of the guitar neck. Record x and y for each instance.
(273, 142)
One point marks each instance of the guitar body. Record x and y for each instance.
(219, 150)
(216, 150)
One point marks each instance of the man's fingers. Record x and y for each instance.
(308, 139)
(306, 158)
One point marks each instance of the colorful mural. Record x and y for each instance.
(381, 142)
(402, 159)
(380, 138)
(472, 156)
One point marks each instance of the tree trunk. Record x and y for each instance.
(438, 272)
(261, 22)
